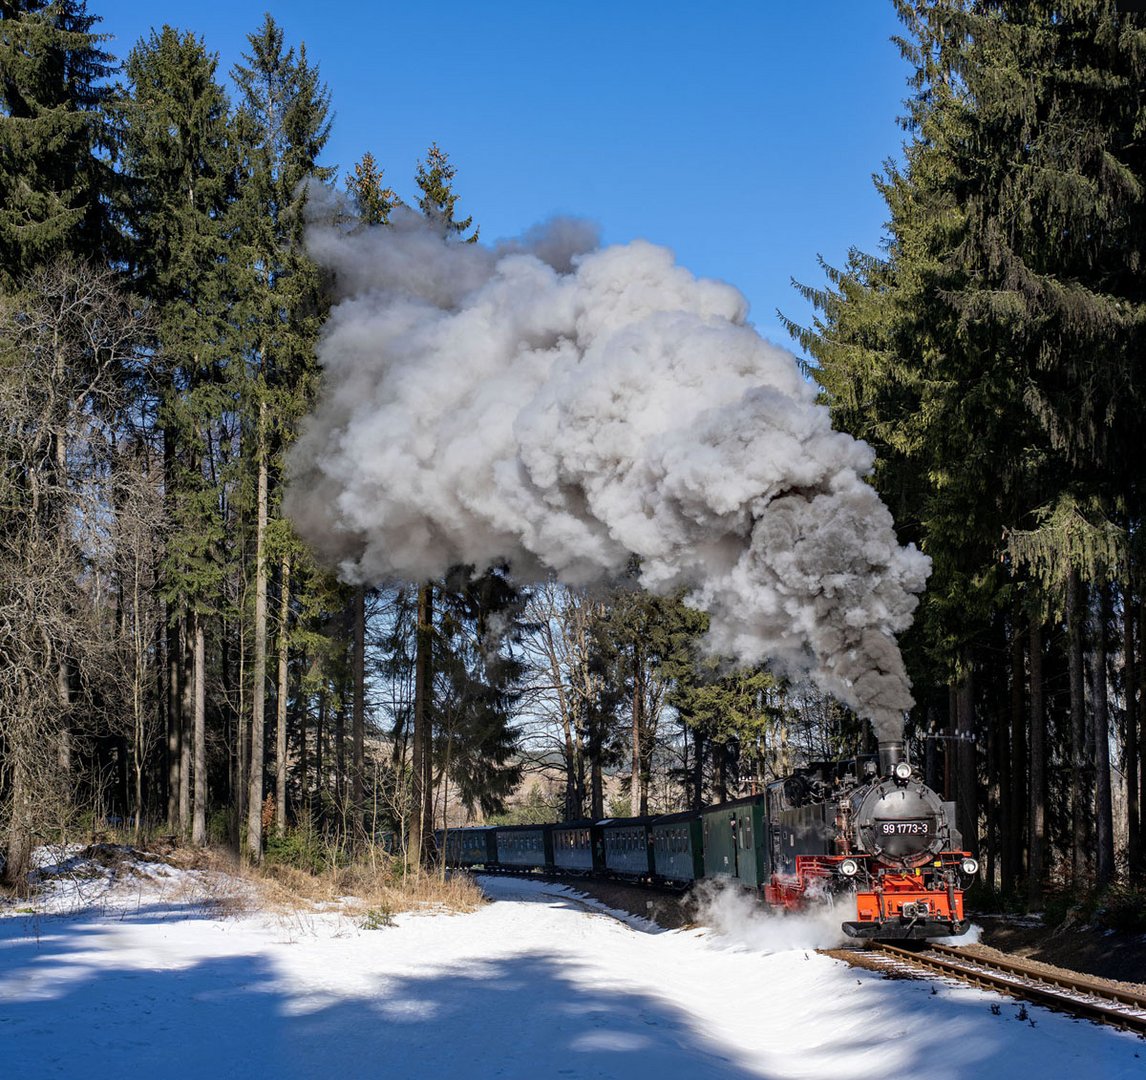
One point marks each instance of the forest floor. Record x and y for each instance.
(1105, 954)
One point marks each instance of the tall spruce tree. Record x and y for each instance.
(434, 178)
(438, 200)
(283, 125)
(373, 203)
(990, 353)
(56, 180)
(181, 184)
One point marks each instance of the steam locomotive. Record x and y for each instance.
(867, 828)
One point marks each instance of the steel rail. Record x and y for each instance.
(1068, 980)
(1078, 996)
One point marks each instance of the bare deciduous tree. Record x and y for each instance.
(68, 350)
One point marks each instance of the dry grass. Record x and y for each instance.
(371, 889)
(222, 894)
(365, 887)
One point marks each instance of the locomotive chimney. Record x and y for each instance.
(890, 754)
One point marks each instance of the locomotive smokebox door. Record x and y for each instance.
(901, 824)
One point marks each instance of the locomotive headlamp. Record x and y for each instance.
(970, 867)
(849, 868)
(903, 771)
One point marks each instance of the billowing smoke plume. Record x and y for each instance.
(561, 407)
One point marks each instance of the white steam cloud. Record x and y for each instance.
(737, 917)
(561, 407)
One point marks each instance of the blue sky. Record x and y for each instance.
(742, 135)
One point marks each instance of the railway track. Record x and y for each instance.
(1064, 992)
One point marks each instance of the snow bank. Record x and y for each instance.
(540, 983)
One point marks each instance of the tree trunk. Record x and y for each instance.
(174, 724)
(1036, 823)
(995, 807)
(199, 807)
(1141, 665)
(281, 701)
(1104, 812)
(138, 746)
(950, 744)
(966, 793)
(187, 679)
(931, 751)
(636, 795)
(233, 728)
(1130, 660)
(1078, 813)
(720, 759)
(243, 751)
(64, 697)
(358, 723)
(303, 742)
(63, 678)
(697, 768)
(1015, 789)
(319, 740)
(420, 794)
(18, 860)
(579, 773)
(573, 803)
(596, 774)
(340, 754)
(259, 660)
(426, 646)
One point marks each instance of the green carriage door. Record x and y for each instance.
(746, 863)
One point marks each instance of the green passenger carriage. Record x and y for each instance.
(526, 847)
(628, 850)
(677, 850)
(735, 840)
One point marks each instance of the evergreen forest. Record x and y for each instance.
(174, 660)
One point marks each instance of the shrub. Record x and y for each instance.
(300, 848)
(1123, 908)
(219, 827)
(375, 918)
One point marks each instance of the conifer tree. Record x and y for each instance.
(181, 183)
(283, 125)
(476, 746)
(435, 179)
(374, 204)
(990, 353)
(56, 182)
(373, 201)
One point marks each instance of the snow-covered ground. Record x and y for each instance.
(146, 977)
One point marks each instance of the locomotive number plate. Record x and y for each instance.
(904, 828)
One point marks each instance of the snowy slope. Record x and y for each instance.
(540, 983)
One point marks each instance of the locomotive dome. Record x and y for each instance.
(905, 824)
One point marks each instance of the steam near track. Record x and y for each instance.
(561, 406)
